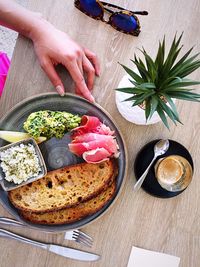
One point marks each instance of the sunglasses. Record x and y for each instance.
(124, 20)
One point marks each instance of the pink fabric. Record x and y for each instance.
(4, 67)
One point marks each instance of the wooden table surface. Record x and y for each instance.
(165, 225)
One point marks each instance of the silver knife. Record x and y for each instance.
(60, 250)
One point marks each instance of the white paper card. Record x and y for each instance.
(145, 258)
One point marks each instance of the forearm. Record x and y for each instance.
(52, 47)
(20, 19)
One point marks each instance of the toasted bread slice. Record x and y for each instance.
(69, 215)
(63, 188)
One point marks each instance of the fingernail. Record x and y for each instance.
(92, 99)
(60, 90)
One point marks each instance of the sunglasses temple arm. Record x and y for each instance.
(110, 11)
(111, 5)
(134, 12)
(140, 12)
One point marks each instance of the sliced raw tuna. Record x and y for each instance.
(93, 140)
(87, 137)
(109, 144)
(96, 156)
(78, 148)
(88, 123)
(91, 124)
(103, 129)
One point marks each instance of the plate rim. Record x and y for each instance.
(37, 226)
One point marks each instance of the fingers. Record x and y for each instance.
(77, 91)
(80, 64)
(93, 58)
(89, 69)
(86, 66)
(78, 78)
(49, 69)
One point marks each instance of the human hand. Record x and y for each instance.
(53, 46)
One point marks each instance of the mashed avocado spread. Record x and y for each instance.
(50, 123)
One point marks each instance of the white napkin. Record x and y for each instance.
(145, 258)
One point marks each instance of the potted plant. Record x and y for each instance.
(150, 90)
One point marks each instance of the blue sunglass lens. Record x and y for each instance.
(124, 22)
(91, 7)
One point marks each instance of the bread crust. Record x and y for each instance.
(65, 188)
(70, 215)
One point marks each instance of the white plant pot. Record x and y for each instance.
(133, 114)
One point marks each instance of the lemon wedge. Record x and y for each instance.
(13, 137)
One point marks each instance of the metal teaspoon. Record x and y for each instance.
(159, 149)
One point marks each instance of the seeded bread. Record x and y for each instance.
(63, 188)
(73, 214)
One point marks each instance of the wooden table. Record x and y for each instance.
(166, 225)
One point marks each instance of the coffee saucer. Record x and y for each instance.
(144, 157)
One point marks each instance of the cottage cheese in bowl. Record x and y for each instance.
(20, 163)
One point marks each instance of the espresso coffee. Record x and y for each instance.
(173, 173)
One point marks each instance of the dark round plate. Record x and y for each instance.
(144, 157)
(55, 151)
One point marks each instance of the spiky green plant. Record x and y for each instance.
(160, 81)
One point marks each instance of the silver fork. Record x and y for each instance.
(79, 237)
(75, 235)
